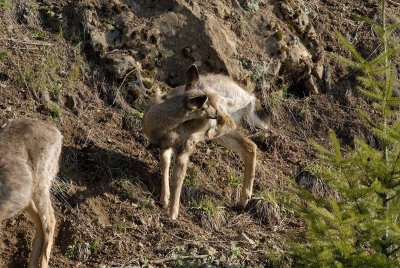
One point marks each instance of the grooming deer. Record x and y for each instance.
(29, 155)
(206, 108)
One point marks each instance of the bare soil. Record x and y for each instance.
(106, 195)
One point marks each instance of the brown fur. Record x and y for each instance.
(29, 154)
(178, 135)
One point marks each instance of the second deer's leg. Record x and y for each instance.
(178, 175)
(248, 151)
(38, 240)
(165, 155)
(48, 221)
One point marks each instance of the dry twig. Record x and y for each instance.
(394, 2)
(175, 258)
(27, 42)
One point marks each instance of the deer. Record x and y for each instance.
(207, 107)
(29, 156)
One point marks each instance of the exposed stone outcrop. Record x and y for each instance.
(165, 38)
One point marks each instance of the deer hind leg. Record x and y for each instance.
(48, 222)
(247, 150)
(165, 157)
(38, 240)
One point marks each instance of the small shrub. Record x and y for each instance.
(192, 178)
(233, 180)
(40, 35)
(207, 206)
(42, 76)
(233, 187)
(2, 56)
(259, 71)
(236, 254)
(5, 4)
(82, 251)
(54, 111)
(210, 215)
(253, 5)
(268, 207)
(72, 252)
(359, 227)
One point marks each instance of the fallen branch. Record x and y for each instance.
(393, 2)
(169, 259)
(27, 42)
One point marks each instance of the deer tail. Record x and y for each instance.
(253, 117)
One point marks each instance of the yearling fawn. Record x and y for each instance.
(207, 107)
(29, 154)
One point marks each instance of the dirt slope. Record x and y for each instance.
(76, 64)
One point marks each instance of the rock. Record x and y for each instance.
(301, 22)
(298, 56)
(220, 9)
(245, 239)
(311, 85)
(51, 19)
(208, 250)
(223, 258)
(185, 33)
(287, 10)
(98, 41)
(274, 67)
(147, 83)
(186, 52)
(119, 64)
(318, 70)
(142, 221)
(74, 104)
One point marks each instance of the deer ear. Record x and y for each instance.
(192, 77)
(195, 103)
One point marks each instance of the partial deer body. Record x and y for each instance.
(225, 103)
(232, 99)
(29, 155)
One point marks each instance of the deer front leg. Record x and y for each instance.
(178, 175)
(165, 158)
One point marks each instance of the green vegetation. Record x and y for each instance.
(54, 111)
(72, 251)
(259, 72)
(42, 76)
(270, 197)
(234, 180)
(208, 207)
(358, 226)
(253, 5)
(39, 35)
(192, 178)
(5, 4)
(233, 187)
(2, 56)
(82, 251)
(79, 67)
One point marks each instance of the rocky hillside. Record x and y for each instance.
(90, 68)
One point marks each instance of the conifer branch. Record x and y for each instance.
(393, 251)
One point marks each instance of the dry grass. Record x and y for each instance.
(209, 213)
(315, 185)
